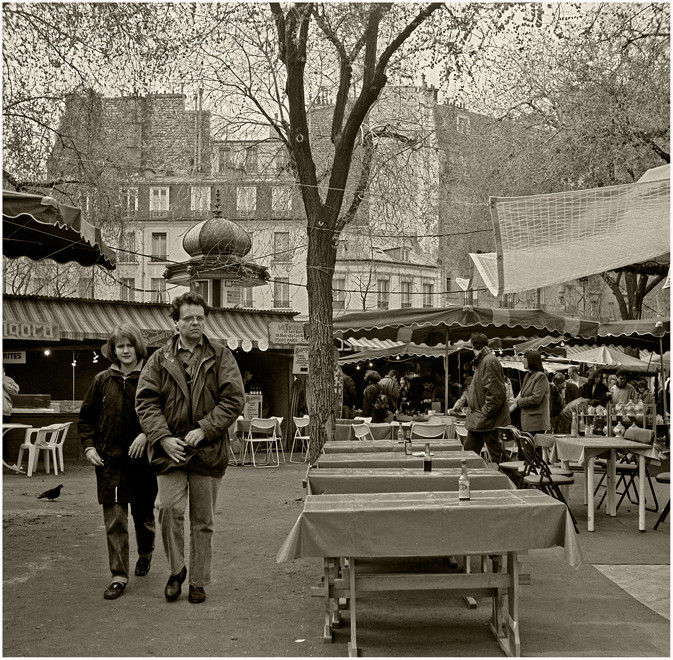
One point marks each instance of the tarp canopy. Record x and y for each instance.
(610, 356)
(409, 348)
(435, 325)
(42, 228)
(549, 239)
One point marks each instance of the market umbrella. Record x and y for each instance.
(609, 356)
(40, 227)
(450, 324)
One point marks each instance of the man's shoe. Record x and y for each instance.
(173, 586)
(143, 565)
(196, 594)
(114, 590)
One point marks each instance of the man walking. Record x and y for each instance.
(486, 399)
(189, 393)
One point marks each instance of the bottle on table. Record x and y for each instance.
(400, 433)
(574, 427)
(427, 459)
(464, 482)
(407, 443)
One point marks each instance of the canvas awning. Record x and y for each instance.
(609, 356)
(82, 320)
(41, 228)
(400, 350)
(434, 325)
(548, 239)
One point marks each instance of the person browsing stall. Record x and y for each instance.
(189, 393)
(533, 399)
(114, 444)
(623, 392)
(486, 399)
(594, 388)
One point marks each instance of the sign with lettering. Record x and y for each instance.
(29, 330)
(286, 332)
(300, 362)
(14, 357)
(253, 406)
(156, 337)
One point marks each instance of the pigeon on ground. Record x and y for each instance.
(51, 494)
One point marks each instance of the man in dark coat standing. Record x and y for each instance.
(189, 393)
(486, 399)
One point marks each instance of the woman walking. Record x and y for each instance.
(114, 443)
(533, 399)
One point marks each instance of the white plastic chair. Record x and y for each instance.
(362, 431)
(41, 436)
(427, 431)
(300, 435)
(56, 444)
(262, 431)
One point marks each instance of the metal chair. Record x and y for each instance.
(427, 431)
(627, 470)
(513, 469)
(301, 424)
(362, 420)
(362, 431)
(537, 473)
(663, 478)
(262, 431)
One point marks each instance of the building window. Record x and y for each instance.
(86, 287)
(281, 200)
(126, 254)
(128, 201)
(246, 200)
(158, 290)
(201, 287)
(200, 199)
(281, 246)
(281, 292)
(382, 294)
(251, 161)
(428, 291)
(404, 254)
(338, 293)
(463, 124)
(127, 289)
(405, 298)
(247, 297)
(158, 247)
(159, 203)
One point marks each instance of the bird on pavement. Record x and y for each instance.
(51, 494)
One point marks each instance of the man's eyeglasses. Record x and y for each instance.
(191, 319)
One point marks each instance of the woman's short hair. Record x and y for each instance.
(124, 331)
(372, 376)
(558, 378)
(189, 298)
(534, 360)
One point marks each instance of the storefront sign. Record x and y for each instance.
(300, 362)
(253, 406)
(31, 331)
(289, 332)
(156, 337)
(14, 357)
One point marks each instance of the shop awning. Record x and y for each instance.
(82, 320)
(42, 228)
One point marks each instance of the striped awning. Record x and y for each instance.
(82, 320)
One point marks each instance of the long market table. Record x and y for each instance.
(585, 449)
(430, 524)
(381, 480)
(366, 446)
(392, 459)
(343, 430)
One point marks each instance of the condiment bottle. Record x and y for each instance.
(407, 443)
(464, 482)
(574, 428)
(400, 433)
(427, 459)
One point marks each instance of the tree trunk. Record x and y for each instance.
(320, 393)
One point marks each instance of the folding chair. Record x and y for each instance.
(362, 431)
(537, 473)
(262, 431)
(301, 435)
(663, 478)
(627, 470)
(513, 469)
(427, 431)
(362, 420)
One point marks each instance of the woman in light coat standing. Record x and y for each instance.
(533, 399)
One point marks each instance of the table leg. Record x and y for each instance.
(511, 643)
(612, 483)
(590, 493)
(353, 644)
(641, 493)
